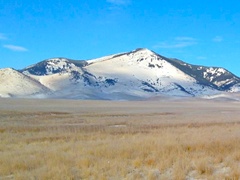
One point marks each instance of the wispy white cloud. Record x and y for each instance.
(178, 42)
(3, 36)
(217, 39)
(15, 48)
(119, 2)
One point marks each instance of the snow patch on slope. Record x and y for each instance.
(15, 84)
(145, 70)
(139, 74)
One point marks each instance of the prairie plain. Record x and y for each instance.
(76, 139)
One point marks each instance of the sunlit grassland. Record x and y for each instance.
(119, 145)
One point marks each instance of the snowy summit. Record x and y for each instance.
(139, 74)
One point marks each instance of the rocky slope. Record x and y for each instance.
(138, 74)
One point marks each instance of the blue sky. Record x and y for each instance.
(205, 32)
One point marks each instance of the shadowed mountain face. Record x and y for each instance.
(139, 74)
(216, 77)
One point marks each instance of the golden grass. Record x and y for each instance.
(52, 145)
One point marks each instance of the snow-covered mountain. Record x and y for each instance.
(16, 84)
(139, 74)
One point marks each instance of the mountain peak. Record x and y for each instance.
(137, 74)
(145, 50)
(7, 69)
(53, 66)
(141, 49)
(15, 84)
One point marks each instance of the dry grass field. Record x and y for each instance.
(67, 139)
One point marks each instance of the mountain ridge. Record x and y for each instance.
(134, 75)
